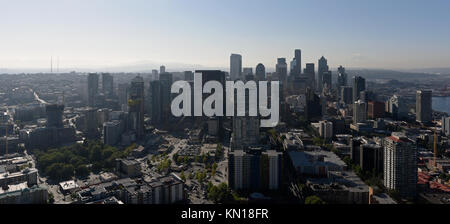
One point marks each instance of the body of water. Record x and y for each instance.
(441, 104)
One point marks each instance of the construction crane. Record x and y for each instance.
(6, 142)
(435, 148)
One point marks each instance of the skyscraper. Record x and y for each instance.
(92, 88)
(248, 74)
(297, 65)
(313, 108)
(136, 106)
(310, 73)
(236, 67)
(424, 111)
(260, 72)
(219, 76)
(323, 67)
(107, 84)
(123, 90)
(166, 80)
(90, 125)
(188, 76)
(154, 74)
(281, 70)
(400, 164)
(347, 94)
(359, 84)
(162, 69)
(397, 107)
(342, 78)
(154, 101)
(326, 82)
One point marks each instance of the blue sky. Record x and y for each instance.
(100, 33)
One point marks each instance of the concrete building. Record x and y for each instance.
(326, 129)
(400, 164)
(29, 175)
(54, 115)
(245, 132)
(128, 167)
(340, 187)
(375, 109)
(315, 163)
(22, 194)
(359, 112)
(255, 169)
(112, 131)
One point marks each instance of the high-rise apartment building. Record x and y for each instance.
(255, 169)
(359, 112)
(400, 164)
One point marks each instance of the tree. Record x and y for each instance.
(214, 167)
(81, 171)
(314, 200)
(220, 193)
(182, 176)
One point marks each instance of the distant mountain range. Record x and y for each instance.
(147, 66)
(374, 74)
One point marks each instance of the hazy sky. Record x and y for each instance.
(101, 33)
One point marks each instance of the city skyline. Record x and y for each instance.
(143, 34)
